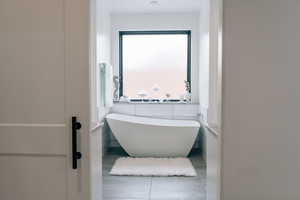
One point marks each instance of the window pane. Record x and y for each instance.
(154, 61)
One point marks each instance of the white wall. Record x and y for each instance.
(210, 65)
(103, 44)
(204, 58)
(95, 147)
(210, 91)
(261, 140)
(212, 157)
(188, 21)
(104, 34)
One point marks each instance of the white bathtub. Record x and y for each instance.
(152, 137)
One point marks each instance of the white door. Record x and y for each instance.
(44, 81)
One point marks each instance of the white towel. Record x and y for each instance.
(107, 84)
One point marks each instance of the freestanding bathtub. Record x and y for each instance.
(152, 137)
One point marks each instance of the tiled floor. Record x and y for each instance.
(153, 188)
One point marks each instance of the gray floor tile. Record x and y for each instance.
(177, 198)
(153, 188)
(124, 199)
(180, 188)
(126, 187)
(165, 199)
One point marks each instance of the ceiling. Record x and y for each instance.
(154, 6)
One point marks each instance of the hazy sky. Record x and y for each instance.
(154, 60)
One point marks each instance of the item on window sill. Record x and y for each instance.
(156, 88)
(187, 86)
(142, 94)
(182, 98)
(188, 97)
(155, 91)
(168, 95)
(124, 99)
(155, 101)
(116, 88)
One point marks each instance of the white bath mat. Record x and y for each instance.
(153, 167)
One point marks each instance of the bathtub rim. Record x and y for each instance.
(153, 121)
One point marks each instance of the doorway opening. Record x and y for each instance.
(158, 82)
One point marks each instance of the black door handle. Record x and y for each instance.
(75, 154)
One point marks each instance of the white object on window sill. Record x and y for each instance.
(144, 102)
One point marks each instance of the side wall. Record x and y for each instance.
(104, 35)
(103, 45)
(261, 100)
(103, 55)
(204, 59)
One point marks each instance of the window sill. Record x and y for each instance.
(144, 102)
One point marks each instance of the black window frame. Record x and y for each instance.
(168, 32)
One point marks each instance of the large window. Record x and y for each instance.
(154, 64)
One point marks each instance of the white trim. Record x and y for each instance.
(30, 125)
(213, 129)
(96, 125)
